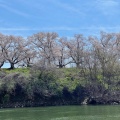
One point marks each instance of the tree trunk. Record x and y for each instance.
(61, 65)
(1, 64)
(78, 65)
(12, 66)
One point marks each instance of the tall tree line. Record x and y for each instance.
(93, 54)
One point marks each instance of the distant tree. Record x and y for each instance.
(76, 49)
(105, 50)
(61, 53)
(14, 50)
(91, 61)
(2, 48)
(30, 55)
(2, 60)
(44, 45)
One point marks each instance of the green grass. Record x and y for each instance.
(24, 71)
(67, 77)
(70, 78)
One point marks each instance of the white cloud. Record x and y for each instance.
(92, 30)
(61, 28)
(7, 7)
(37, 29)
(108, 3)
(108, 7)
(68, 7)
(14, 29)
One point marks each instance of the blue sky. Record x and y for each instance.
(67, 17)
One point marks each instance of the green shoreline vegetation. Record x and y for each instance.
(55, 70)
(33, 87)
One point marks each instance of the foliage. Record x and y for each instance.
(47, 84)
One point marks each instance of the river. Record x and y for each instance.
(62, 113)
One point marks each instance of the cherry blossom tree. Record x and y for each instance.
(14, 50)
(2, 48)
(45, 45)
(76, 49)
(61, 53)
(106, 52)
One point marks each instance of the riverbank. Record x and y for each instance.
(35, 87)
(48, 102)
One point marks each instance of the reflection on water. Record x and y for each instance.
(62, 113)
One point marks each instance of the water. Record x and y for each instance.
(62, 113)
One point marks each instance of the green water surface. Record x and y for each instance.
(62, 113)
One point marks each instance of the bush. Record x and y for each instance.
(6, 98)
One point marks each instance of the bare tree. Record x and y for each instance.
(91, 61)
(105, 49)
(1, 60)
(2, 47)
(30, 55)
(61, 53)
(44, 44)
(76, 49)
(14, 50)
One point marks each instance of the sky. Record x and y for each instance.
(66, 17)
